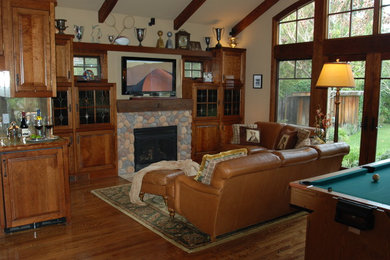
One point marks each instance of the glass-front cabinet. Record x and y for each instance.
(62, 108)
(231, 101)
(206, 100)
(94, 104)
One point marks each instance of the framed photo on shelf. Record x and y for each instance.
(258, 81)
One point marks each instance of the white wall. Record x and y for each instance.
(256, 38)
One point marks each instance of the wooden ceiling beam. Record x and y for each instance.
(252, 16)
(106, 9)
(186, 13)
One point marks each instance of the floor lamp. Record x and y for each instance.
(336, 75)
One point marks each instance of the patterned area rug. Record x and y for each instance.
(178, 231)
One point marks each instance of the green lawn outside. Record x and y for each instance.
(383, 146)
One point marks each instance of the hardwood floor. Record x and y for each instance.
(99, 231)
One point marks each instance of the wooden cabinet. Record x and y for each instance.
(35, 184)
(220, 104)
(96, 153)
(29, 26)
(229, 65)
(64, 58)
(95, 105)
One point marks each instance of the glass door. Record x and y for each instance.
(350, 115)
(383, 138)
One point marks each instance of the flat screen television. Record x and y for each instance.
(148, 77)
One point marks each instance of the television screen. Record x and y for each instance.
(148, 76)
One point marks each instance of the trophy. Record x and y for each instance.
(160, 41)
(207, 40)
(169, 43)
(79, 31)
(140, 33)
(218, 34)
(60, 25)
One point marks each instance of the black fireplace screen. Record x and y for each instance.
(154, 144)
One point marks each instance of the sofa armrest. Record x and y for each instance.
(297, 156)
(331, 149)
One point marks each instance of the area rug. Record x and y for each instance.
(178, 230)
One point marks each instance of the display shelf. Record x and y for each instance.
(97, 47)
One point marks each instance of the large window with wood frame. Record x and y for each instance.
(363, 111)
(350, 18)
(294, 80)
(298, 26)
(385, 16)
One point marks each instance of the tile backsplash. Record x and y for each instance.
(13, 107)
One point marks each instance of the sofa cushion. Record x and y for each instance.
(236, 132)
(269, 133)
(303, 138)
(287, 139)
(297, 156)
(249, 136)
(209, 162)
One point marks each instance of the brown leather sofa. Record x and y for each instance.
(269, 136)
(251, 189)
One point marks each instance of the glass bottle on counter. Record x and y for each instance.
(23, 126)
(38, 124)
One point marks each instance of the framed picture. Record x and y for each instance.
(195, 46)
(257, 80)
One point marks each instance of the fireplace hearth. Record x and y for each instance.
(154, 144)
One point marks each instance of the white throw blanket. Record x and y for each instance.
(189, 167)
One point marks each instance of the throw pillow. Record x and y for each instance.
(236, 132)
(287, 139)
(209, 161)
(249, 136)
(303, 138)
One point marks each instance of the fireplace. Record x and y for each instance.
(154, 144)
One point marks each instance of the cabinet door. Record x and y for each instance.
(206, 101)
(33, 45)
(205, 139)
(95, 150)
(33, 186)
(64, 58)
(71, 160)
(62, 109)
(95, 105)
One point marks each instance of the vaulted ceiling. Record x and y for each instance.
(223, 13)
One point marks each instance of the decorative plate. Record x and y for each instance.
(88, 75)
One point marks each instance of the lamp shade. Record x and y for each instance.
(336, 75)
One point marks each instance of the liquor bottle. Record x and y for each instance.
(24, 126)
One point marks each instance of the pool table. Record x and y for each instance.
(349, 213)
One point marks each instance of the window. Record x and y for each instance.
(350, 18)
(383, 141)
(192, 69)
(385, 16)
(294, 81)
(298, 26)
(83, 63)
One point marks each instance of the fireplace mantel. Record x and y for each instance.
(153, 104)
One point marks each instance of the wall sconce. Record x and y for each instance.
(233, 42)
(5, 88)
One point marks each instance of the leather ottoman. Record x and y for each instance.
(158, 182)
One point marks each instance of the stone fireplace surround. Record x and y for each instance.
(127, 120)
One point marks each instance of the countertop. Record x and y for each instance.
(8, 145)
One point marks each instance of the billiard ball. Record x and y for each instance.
(375, 177)
(330, 189)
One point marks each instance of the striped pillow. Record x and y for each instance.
(209, 162)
